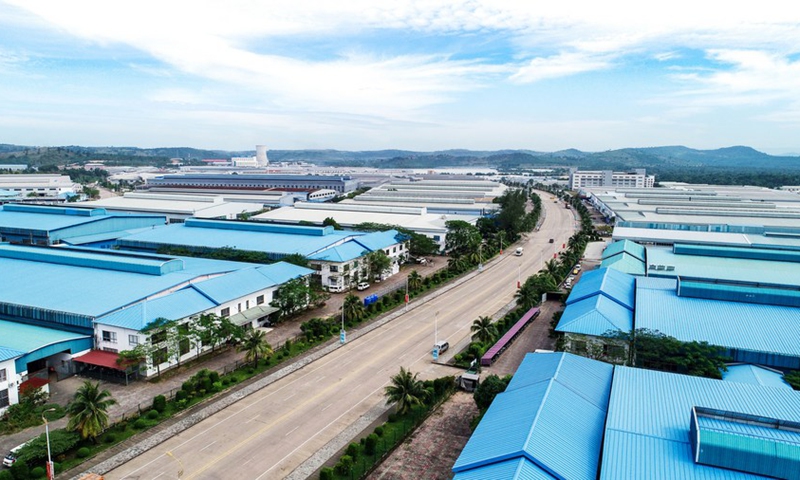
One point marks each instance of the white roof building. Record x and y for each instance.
(176, 207)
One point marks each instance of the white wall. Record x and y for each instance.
(11, 383)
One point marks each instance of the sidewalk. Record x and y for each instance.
(139, 395)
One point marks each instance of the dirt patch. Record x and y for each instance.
(433, 449)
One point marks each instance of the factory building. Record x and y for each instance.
(341, 184)
(568, 417)
(636, 178)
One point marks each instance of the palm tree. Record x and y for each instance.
(551, 266)
(414, 280)
(527, 296)
(255, 345)
(353, 308)
(88, 410)
(405, 390)
(484, 330)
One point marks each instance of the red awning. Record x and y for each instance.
(32, 383)
(100, 358)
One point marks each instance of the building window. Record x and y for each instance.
(112, 350)
(394, 249)
(259, 299)
(133, 339)
(184, 344)
(225, 312)
(3, 376)
(247, 305)
(334, 268)
(158, 337)
(3, 398)
(109, 336)
(159, 356)
(239, 307)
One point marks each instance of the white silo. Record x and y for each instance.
(261, 155)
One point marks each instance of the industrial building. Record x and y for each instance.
(43, 186)
(416, 219)
(700, 208)
(754, 323)
(111, 297)
(568, 417)
(177, 207)
(51, 225)
(636, 178)
(337, 256)
(341, 184)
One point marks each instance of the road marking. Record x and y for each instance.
(162, 473)
(291, 431)
(326, 407)
(212, 443)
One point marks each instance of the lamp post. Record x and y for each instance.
(436, 335)
(342, 333)
(519, 276)
(51, 474)
(180, 464)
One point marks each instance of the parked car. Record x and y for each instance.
(362, 286)
(12, 455)
(422, 260)
(335, 288)
(552, 240)
(518, 252)
(442, 346)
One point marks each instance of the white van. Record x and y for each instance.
(441, 346)
(518, 252)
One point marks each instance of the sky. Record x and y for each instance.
(414, 75)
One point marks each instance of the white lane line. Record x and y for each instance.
(212, 443)
(326, 407)
(291, 431)
(162, 473)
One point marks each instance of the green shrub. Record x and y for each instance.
(217, 386)
(181, 404)
(139, 424)
(110, 437)
(213, 376)
(371, 444)
(345, 465)
(392, 417)
(152, 414)
(159, 403)
(57, 468)
(379, 430)
(83, 452)
(234, 380)
(226, 381)
(38, 472)
(205, 384)
(180, 395)
(6, 475)
(20, 470)
(326, 473)
(250, 371)
(353, 450)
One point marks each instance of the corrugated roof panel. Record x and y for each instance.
(647, 428)
(625, 263)
(516, 469)
(175, 306)
(282, 272)
(345, 252)
(627, 246)
(616, 285)
(18, 339)
(744, 326)
(754, 253)
(595, 316)
(755, 375)
(379, 240)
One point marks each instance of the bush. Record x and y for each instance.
(217, 386)
(234, 380)
(392, 417)
(353, 450)
(38, 472)
(379, 430)
(326, 473)
(20, 470)
(159, 403)
(181, 404)
(180, 395)
(6, 475)
(213, 376)
(83, 452)
(110, 438)
(57, 468)
(152, 414)
(187, 386)
(226, 381)
(371, 444)
(139, 424)
(345, 465)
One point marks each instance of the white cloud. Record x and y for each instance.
(559, 66)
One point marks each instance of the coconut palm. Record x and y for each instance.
(255, 345)
(414, 280)
(405, 390)
(527, 296)
(353, 308)
(88, 410)
(484, 330)
(551, 267)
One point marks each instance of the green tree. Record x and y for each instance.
(414, 280)
(292, 297)
(354, 310)
(296, 259)
(87, 411)
(488, 389)
(527, 296)
(483, 330)
(255, 345)
(330, 221)
(462, 238)
(793, 379)
(378, 263)
(405, 390)
(61, 441)
(214, 330)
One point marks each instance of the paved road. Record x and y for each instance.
(268, 434)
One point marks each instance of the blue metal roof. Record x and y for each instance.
(737, 325)
(276, 244)
(528, 421)
(617, 286)
(243, 282)
(516, 469)
(647, 429)
(755, 375)
(625, 263)
(52, 287)
(627, 246)
(175, 306)
(595, 316)
(380, 240)
(22, 342)
(345, 252)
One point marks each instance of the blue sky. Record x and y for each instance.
(363, 75)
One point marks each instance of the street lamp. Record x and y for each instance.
(51, 474)
(342, 333)
(180, 464)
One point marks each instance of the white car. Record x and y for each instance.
(362, 286)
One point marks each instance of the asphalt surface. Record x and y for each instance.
(273, 431)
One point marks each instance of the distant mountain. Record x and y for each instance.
(653, 158)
